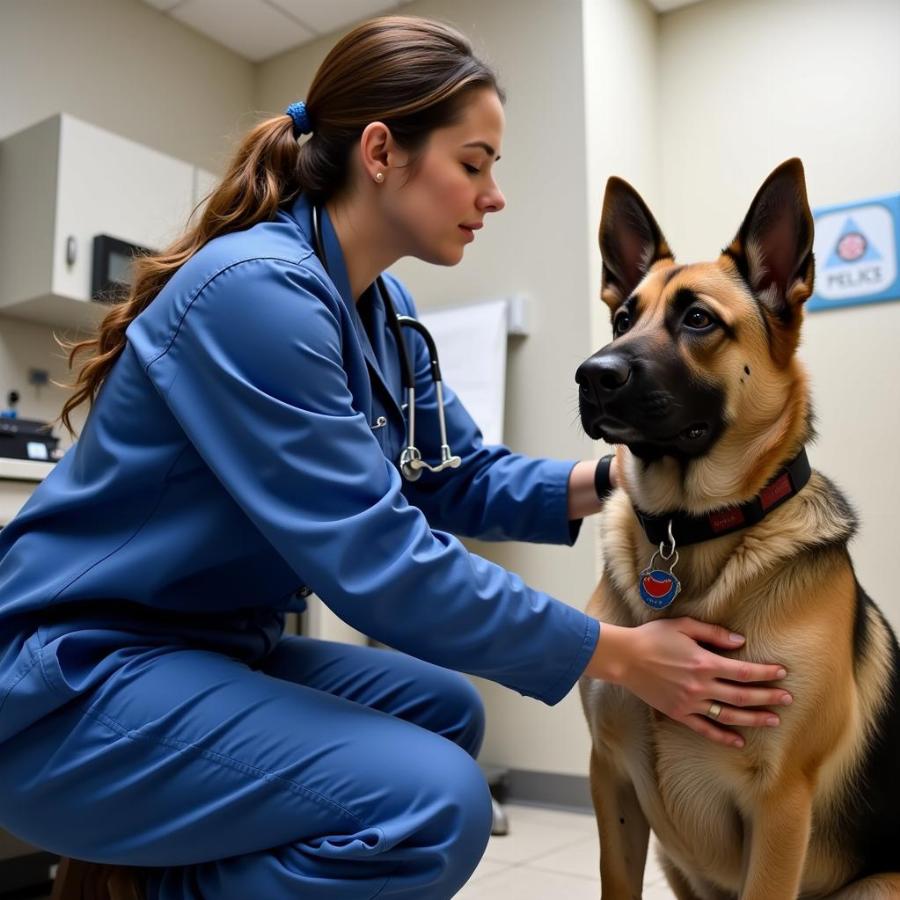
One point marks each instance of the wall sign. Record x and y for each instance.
(857, 246)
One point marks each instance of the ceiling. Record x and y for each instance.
(259, 29)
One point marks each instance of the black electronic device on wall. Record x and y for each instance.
(111, 270)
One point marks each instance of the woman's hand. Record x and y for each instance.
(662, 663)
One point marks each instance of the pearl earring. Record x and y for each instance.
(379, 177)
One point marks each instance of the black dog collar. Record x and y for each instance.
(688, 529)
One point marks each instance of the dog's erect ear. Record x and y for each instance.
(630, 241)
(773, 252)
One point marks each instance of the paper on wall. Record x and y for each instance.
(471, 344)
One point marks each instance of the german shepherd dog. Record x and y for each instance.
(704, 396)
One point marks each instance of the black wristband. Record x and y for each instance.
(602, 482)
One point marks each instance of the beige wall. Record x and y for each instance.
(621, 50)
(745, 84)
(124, 66)
(621, 40)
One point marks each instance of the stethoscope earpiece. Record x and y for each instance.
(411, 463)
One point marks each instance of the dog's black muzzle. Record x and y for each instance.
(647, 400)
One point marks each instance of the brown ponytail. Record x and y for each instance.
(412, 74)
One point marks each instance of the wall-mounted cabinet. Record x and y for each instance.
(62, 183)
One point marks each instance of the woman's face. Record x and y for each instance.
(438, 210)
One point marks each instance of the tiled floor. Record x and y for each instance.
(549, 855)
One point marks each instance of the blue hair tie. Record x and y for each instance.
(298, 112)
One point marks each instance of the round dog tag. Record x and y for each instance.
(658, 588)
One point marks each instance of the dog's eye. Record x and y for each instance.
(698, 319)
(621, 324)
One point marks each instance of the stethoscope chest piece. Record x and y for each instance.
(412, 465)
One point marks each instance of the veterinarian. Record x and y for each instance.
(242, 450)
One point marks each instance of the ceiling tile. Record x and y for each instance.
(252, 28)
(324, 16)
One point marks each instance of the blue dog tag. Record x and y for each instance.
(658, 588)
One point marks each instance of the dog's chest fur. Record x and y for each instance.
(696, 795)
(693, 813)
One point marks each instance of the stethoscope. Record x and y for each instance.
(411, 462)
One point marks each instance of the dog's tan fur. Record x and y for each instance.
(758, 823)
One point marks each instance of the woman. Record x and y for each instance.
(241, 451)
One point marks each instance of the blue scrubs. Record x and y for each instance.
(151, 713)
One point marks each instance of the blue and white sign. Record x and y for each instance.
(857, 246)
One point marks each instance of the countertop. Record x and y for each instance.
(23, 469)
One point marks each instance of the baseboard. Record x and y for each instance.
(569, 792)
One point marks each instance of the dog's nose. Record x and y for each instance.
(602, 375)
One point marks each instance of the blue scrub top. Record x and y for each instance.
(233, 461)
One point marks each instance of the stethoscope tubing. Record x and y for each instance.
(411, 462)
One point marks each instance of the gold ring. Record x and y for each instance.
(715, 710)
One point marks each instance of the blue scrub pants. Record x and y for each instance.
(319, 770)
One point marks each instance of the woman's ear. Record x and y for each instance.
(379, 151)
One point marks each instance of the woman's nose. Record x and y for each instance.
(493, 200)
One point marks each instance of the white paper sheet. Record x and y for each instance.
(471, 344)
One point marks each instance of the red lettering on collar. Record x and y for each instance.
(778, 489)
(723, 519)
